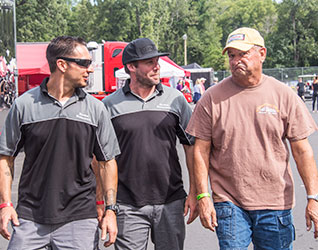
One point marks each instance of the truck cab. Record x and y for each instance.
(107, 59)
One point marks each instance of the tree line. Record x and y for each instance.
(289, 27)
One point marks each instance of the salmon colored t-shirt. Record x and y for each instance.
(249, 129)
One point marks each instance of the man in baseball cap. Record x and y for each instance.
(244, 39)
(148, 117)
(242, 127)
(140, 49)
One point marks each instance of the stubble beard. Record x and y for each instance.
(146, 82)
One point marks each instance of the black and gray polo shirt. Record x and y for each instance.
(57, 183)
(149, 171)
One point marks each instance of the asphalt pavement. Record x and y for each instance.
(198, 238)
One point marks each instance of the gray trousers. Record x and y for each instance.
(79, 235)
(164, 222)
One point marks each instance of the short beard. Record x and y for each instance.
(145, 82)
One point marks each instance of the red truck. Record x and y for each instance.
(107, 59)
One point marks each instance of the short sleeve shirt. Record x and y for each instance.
(248, 128)
(149, 171)
(57, 183)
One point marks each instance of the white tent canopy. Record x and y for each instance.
(166, 70)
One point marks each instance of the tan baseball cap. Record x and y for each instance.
(244, 39)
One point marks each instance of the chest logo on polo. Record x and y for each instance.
(267, 109)
(83, 117)
(163, 106)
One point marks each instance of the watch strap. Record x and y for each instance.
(113, 207)
(314, 197)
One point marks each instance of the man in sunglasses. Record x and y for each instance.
(148, 117)
(60, 128)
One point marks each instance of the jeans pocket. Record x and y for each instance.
(225, 218)
(286, 230)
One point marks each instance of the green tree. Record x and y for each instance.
(294, 41)
(41, 20)
(258, 14)
(209, 36)
(113, 20)
(82, 21)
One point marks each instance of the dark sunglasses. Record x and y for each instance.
(81, 62)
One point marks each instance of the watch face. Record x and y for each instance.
(114, 207)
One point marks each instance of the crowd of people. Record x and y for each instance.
(312, 88)
(114, 164)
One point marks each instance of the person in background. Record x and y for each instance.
(242, 126)
(315, 93)
(301, 88)
(197, 91)
(60, 128)
(181, 85)
(202, 82)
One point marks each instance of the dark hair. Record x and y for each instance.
(135, 63)
(61, 46)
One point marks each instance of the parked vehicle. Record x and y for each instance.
(107, 59)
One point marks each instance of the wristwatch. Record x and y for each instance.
(113, 207)
(314, 197)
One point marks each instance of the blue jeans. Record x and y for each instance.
(267, 229)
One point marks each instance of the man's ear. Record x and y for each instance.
(262, 52)
(61, 65)
(131, 67)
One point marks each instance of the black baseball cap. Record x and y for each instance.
(140, 49)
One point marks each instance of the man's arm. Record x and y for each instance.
(202, 150)
(191, 203)
(99, 192)
(304, 157)
(109, 181)
(7, 213)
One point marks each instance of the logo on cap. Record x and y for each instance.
(148, 49)
(236, 37)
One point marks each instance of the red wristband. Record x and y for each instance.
(7, 204)
(100, 202)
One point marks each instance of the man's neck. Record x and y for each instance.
(57, 88)
(143, 91)
(249, 81)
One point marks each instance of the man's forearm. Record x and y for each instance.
(201, 164)
(6, 176)
(304, 158)
(109, 180)
(99, 188)
(189, 151)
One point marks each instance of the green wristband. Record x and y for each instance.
(200, 196)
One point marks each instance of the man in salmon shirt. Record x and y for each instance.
(242, 126)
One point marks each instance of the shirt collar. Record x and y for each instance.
(127, 89)
(78, 91)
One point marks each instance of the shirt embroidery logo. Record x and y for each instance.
(267, 109)
(84, 117)
(163, 106)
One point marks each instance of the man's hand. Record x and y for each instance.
(7, 214)
(312, 216)
(100, 214)
(191, 204)
(109, 226)
(207, 213)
